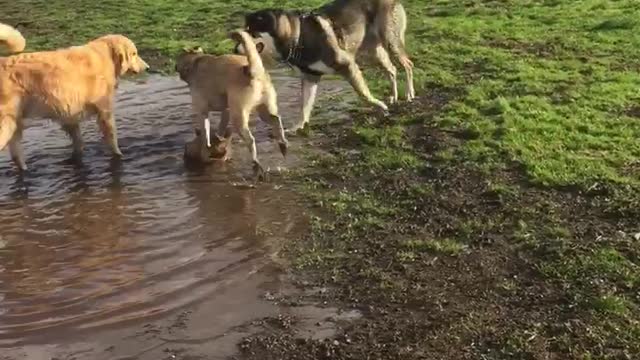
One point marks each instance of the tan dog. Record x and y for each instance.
(65, 85)
(236, 85)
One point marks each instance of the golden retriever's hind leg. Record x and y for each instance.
(109, 131)
(16, 150)
(73, 130)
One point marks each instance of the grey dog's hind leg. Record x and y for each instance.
(392, 26)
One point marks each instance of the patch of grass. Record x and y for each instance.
(385, 159)
(600, 263)
(385, 149)
(443, 246)
(380, 137)
(611, 305)
(552, 114)
(616, 24)
(350, 204)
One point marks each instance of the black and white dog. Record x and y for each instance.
(328, 41)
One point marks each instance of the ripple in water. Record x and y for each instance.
(93, 245)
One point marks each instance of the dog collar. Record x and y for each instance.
(294, 50)
(295, 47)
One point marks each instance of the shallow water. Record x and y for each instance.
(106, 243)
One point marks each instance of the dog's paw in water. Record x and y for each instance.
(259, 173)
(194, 152)
(284, 146)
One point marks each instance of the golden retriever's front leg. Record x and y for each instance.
(8, 127)
(16, 150)
(109, 131)
(11, 134)
(73, 130)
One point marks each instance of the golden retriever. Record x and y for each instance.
(66, 85)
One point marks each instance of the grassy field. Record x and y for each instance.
(497, 217)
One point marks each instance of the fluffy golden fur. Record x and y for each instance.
(236, 85)
(66, 85)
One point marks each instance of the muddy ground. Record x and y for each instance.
(449, 261)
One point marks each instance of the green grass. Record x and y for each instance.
(611, 305)
(550, 89)
(444, 246)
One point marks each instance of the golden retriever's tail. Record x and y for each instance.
(256, 68)
(11, 39)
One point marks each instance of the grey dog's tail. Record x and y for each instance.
(256, 68)
(11, 39)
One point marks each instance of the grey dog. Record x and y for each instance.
(329, 39)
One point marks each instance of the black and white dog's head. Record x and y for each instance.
(263, 26)
(263, 21)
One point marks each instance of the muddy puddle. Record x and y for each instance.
(105, 259)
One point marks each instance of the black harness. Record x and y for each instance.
(294, 53)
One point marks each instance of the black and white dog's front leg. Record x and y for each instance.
(345, 64)
(308, 98)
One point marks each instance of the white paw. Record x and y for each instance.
(382, 105)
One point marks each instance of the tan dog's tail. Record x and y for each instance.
(256, 68)
(11, 39)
